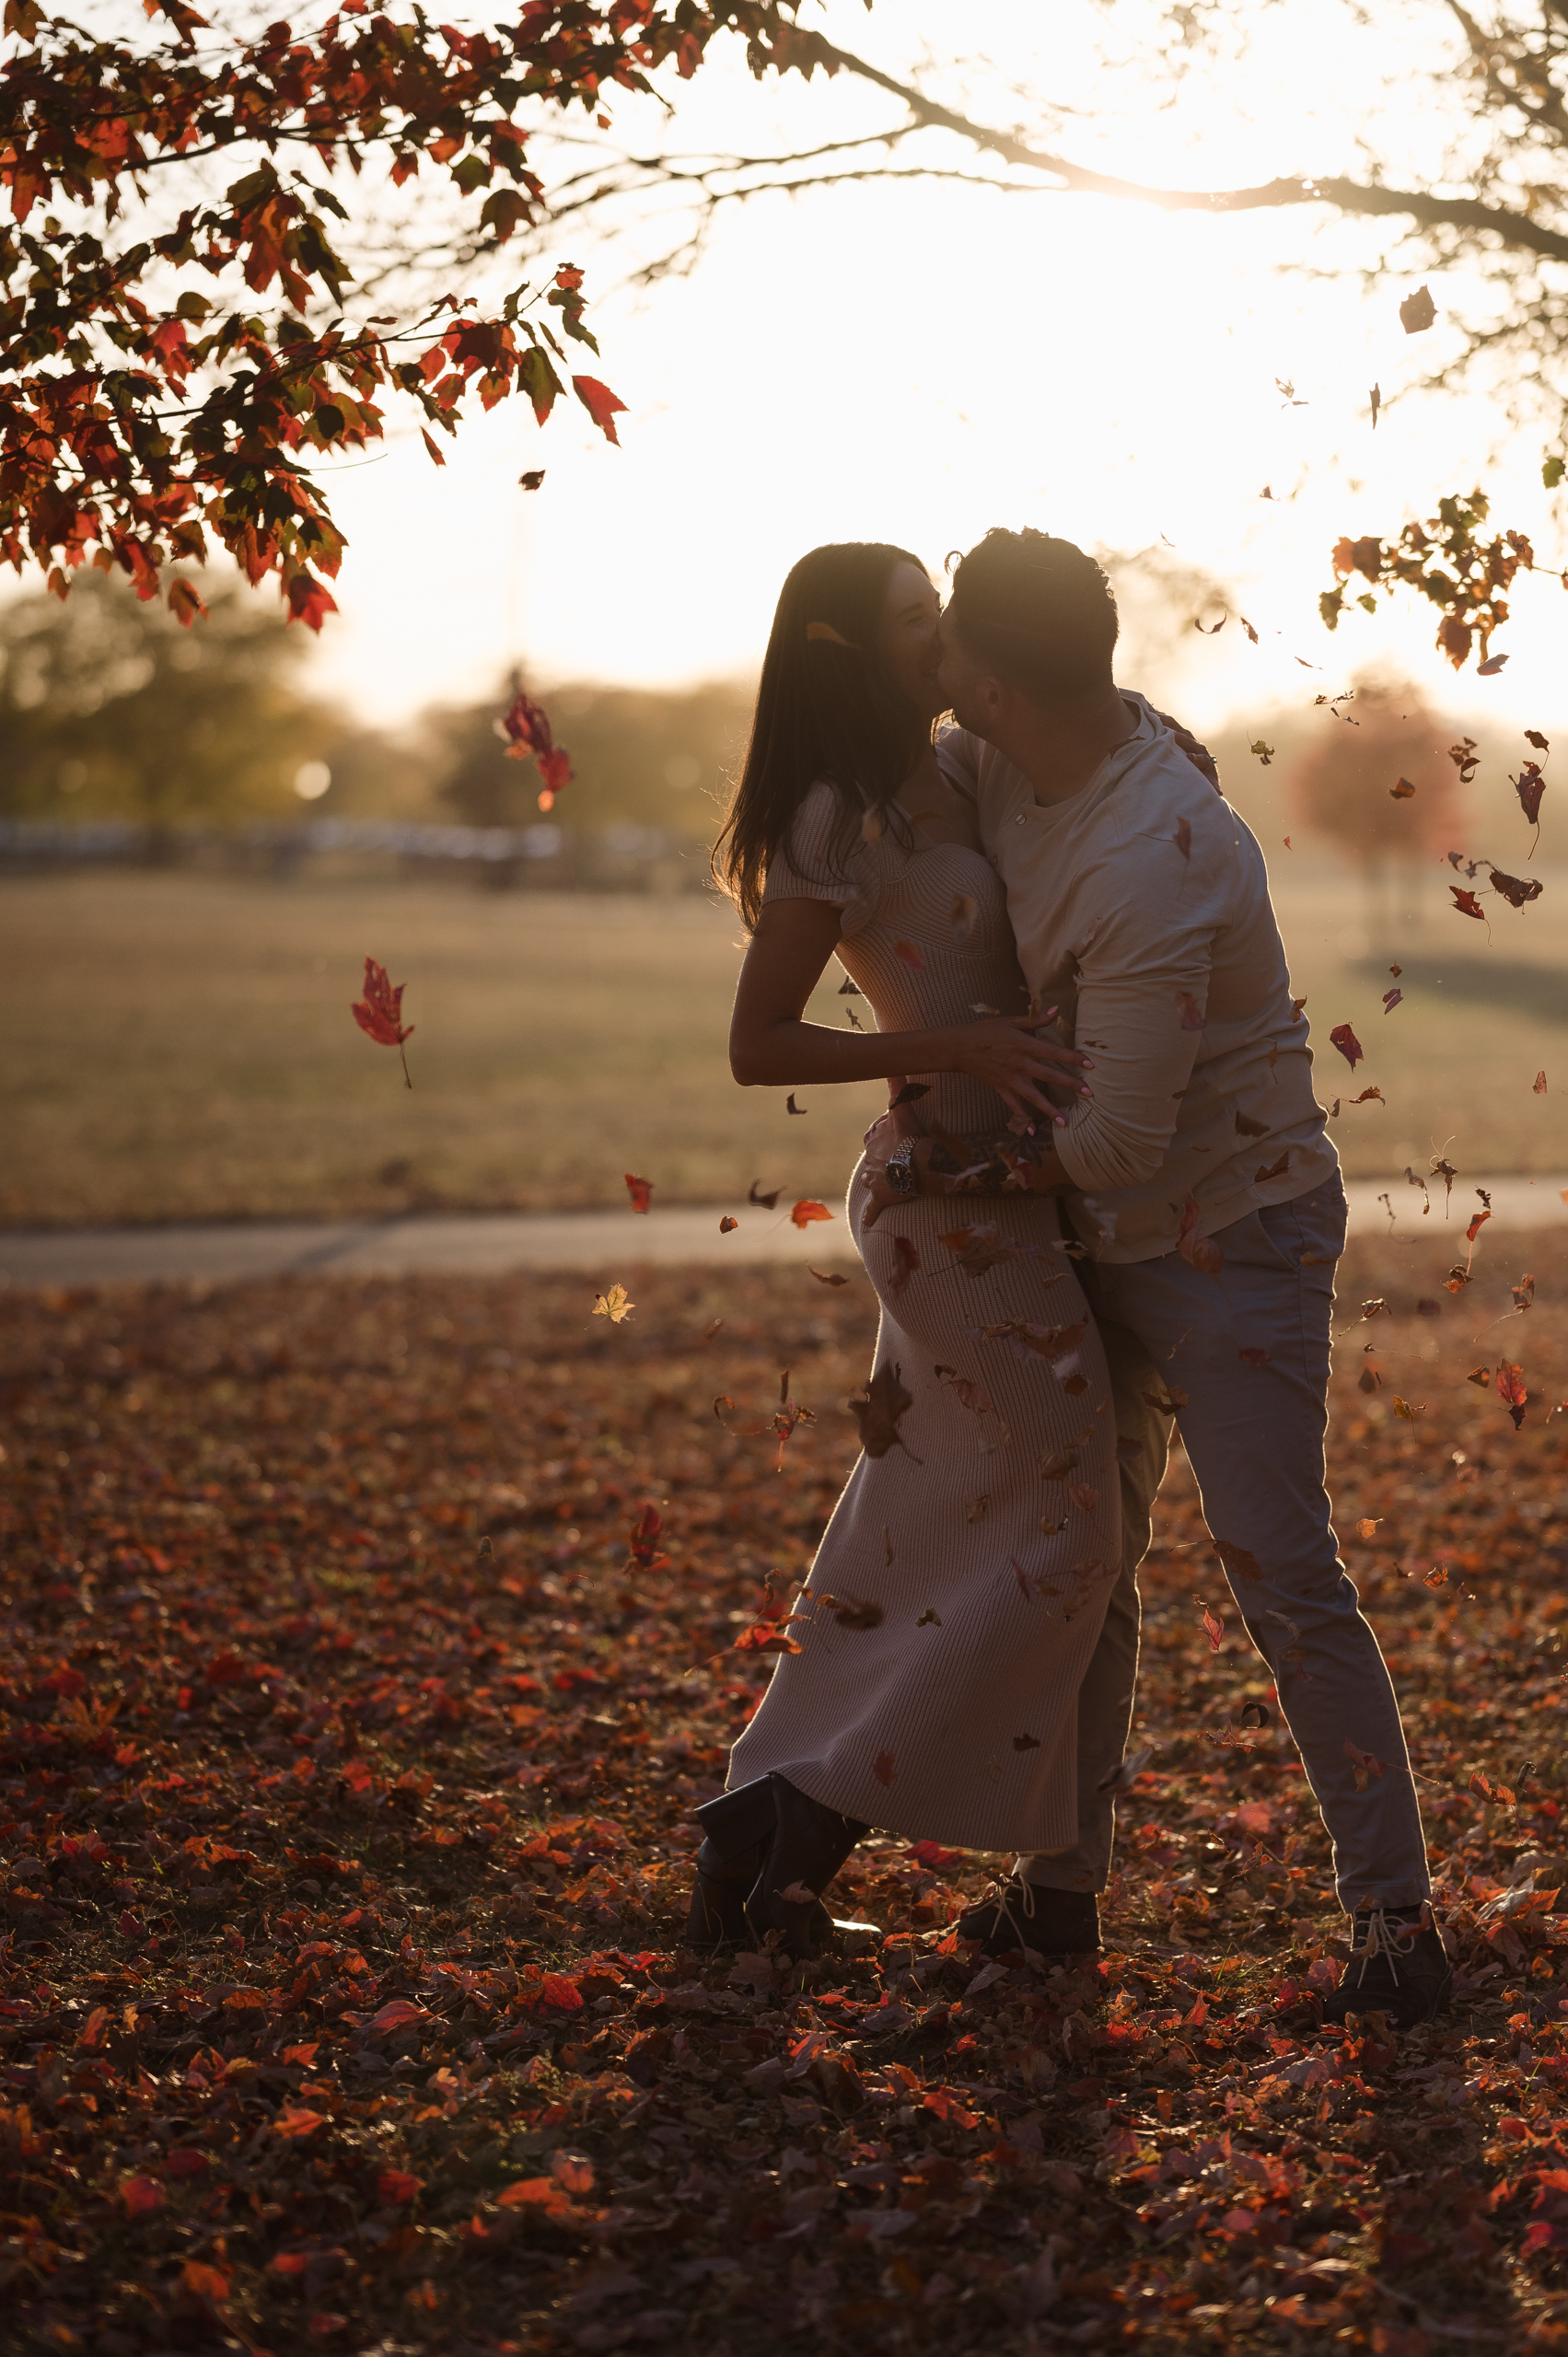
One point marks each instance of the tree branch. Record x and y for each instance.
(1513, 228)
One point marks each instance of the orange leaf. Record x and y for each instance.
(141, 2196)
(805, 1212)
(641, 1192)
(296, 2120)
(207, 2282)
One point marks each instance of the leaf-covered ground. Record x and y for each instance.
(345, 1773)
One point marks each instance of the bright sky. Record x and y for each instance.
(917, 362)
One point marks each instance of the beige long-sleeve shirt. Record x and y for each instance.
(1141, 906)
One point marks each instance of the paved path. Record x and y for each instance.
(603, 1244)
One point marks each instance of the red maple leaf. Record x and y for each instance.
(601, 405)
(1466, 902)
(646, 1532)
(527, 725)
(379, 1011)
(1343, 1038)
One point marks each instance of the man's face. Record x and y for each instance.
(970, 693)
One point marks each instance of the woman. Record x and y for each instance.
(959, 1587)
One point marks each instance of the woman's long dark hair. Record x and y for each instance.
(824, 710)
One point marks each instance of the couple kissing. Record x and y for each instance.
(1084, 1010)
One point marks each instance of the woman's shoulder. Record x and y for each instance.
(825, 855)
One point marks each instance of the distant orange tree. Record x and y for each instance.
(1351, 786)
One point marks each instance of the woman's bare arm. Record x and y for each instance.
(772, 1047)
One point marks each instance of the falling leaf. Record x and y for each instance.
(805, 1211)
(1343, 1038)
(1247, 1128)
(1466, 902)
(1274, 1170)
(1377, 399)
(764, 1202)
(379, 1013)
(1402, 1409)
(532, 479)
(1529, 785)
(981, 1247)
(883, 1768)
(791, 1107)
(1182, 838)
(1210, 630)
(1523, 1293)
(1515, 890)
(613, 1305)
(1478, 1221)
(727, 1226)
(1365, 1765)
(911, 1094)
(1253, 1354)
(1083, 1496)
(1480, 1376)
(906, 1264)
(1026, 1742)
(1401, 791)
(1391, 999)
(1436, 1577)
(1493, 665)
(1511, 1390)
(878, 1414)
(972, 1395)
(962, 914)
(644, 1537)
(929, 1619)
(1533, 736)
(1368, 1380)
(1537, 1085)
(1265, 752)
(1189, 1014)
(1368, 1524)
(830, 1277)
(1418, 312)
(641, 1192)
(1214, 1628)
(1368, 1094)
(1198, 1252)
(526, 726)
(853, 1612)
(600, 403)
(913, 958)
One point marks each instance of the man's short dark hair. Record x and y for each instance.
(1037, 613)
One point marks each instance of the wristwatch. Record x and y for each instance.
(903, 1176)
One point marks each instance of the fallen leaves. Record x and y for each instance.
(523, 1894)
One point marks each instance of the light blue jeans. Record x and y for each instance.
(1253, 1431)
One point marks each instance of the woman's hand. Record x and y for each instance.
(1003, 1053)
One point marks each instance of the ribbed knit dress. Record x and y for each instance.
(958, 1590)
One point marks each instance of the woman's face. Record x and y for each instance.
(908, 640)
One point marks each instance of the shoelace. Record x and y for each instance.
(1004, 1892)
(1384, 1937)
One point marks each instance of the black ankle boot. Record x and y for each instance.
(1018, 1915)
(739, 1826)
(810, 1842)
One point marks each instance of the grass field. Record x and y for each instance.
(180, 1046)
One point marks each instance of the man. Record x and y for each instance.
(1199, 1178)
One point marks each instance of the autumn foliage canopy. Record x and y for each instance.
(179, 337)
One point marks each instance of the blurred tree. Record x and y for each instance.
(640, 757)
(1344, 786)
(109, 709)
